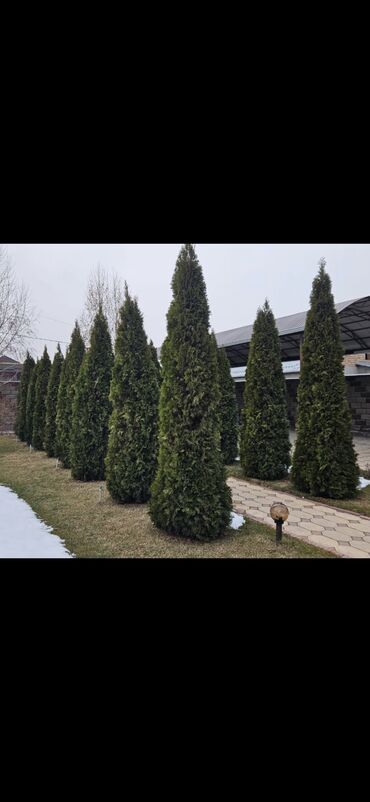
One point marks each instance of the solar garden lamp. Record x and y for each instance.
(279, 513)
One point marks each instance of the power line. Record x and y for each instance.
(55, 320)
(45, 339)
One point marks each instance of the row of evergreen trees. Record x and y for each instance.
(98, 412)
(324, 460)
(101, 414)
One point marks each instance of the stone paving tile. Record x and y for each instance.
(361, 544)
(334, 534)
(311, 527)
(347, 530)
(324, 543)
(349, 551)
(362, 525)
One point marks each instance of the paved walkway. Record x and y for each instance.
(342, 532)
(362, 447)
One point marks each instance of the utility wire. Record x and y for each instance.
(44, 339)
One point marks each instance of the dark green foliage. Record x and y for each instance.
(66, 392)
(91, 406)
(324, 460)
(228, 409)
(264, 439)
(155, 359)
(20, 424)
(39, 412)
(133, 439)
(30, 404)
(51, 403)
(190, 496)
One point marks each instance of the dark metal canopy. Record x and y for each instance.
(354, 320)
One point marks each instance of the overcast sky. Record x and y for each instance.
(238, 279)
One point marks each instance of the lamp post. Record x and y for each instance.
(279, 513)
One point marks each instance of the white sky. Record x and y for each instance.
(238, 279)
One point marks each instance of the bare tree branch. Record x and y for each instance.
(17, 316)
(105, 290)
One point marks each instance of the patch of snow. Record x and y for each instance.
(236, 520)
(363, 482)
(22, 534)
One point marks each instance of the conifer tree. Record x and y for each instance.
(190, 497)
(324, 460)
(66, 392)
(20, 425)
(30, 403)
(92, 407)
(51, 403)
(133, 439)
(39, 413)
(228, 409)
(264, 440)
(154, 354)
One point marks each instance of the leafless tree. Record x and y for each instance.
(17, 316)
(107, 290)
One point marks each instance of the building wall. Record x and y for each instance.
(358, 388)
(10, 374)
(8, 406)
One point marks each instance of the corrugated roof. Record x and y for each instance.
(354, 321)
(291, 324)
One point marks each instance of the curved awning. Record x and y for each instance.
(354, 320)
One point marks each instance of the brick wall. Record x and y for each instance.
(358, 389)
(8, 406)
(351, 359)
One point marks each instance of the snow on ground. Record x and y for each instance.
(236, 520)
(22, 534)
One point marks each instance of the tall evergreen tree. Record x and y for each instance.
(92, 407)
(133, 439)
(39, 413)
(155, 359)
(228, 409)
(324, 460)
(190, 496)
(30, 403)
(20, 425)
(66, 392)
(51, 403)
(264, 440)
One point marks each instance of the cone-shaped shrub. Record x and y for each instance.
(324, 460)
(155, 359)
(51, 403)
(190, 496)
(39, 413)
(66, 392)
(91, 406)
(133, 431)
(30, 404)
(264, 440)
(20, 424)
(228, 409)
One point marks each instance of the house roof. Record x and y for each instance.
(8, 359)
(354, 321)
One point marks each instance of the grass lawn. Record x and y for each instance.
(360, 504)
(105, 529)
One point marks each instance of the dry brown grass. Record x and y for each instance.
(91, 528)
